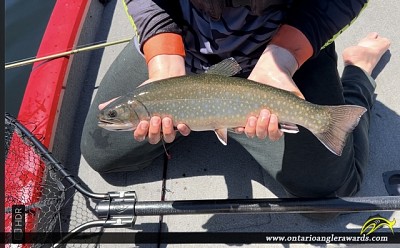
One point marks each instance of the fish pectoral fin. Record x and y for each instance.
(227, 67)
(222, 135)
(288, 127)
(233, 130)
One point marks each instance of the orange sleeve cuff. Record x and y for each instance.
(164, 43)
(294, 41)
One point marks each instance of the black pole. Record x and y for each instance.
(268, 205)
(274, 205)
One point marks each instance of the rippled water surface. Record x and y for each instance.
(25, 23)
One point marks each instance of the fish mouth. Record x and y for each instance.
(115, 126)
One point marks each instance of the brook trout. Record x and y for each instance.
(215, 101)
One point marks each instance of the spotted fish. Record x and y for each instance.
(215, 101)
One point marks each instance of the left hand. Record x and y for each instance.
(275, 67)
(160, 67)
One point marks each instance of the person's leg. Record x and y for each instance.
(107, 151)
(308, 169)
(358, 88)
(299, 162)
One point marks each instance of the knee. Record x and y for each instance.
(92, 156)
(109, 160)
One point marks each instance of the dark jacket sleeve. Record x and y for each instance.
(322, 20)
(153, 17)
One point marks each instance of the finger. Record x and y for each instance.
(274, 133)
(141, 131)
(154, 130)
(250, 128)
(262, 124)
(104, 104)
(183, 129)
(168, 130)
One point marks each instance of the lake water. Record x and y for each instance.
(25, 23)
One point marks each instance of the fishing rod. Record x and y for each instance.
(62, 54)
(123, 210)
(132, 207)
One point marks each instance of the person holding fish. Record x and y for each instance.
(284, 44)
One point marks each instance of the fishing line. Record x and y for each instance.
(163, 193)
(168, 156)
(81, 48)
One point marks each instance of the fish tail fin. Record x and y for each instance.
(343, 120)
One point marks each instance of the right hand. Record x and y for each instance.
(275, 67)
(161, 67)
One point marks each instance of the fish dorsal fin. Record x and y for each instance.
(222, 135)
(227, 67)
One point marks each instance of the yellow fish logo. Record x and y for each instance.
(375, 222)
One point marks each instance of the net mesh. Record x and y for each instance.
(52, 206)
(29, 182)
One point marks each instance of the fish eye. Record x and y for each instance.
(112, 113)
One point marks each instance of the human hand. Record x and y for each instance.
(275, 67)
(153, 128)
(161, 67)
